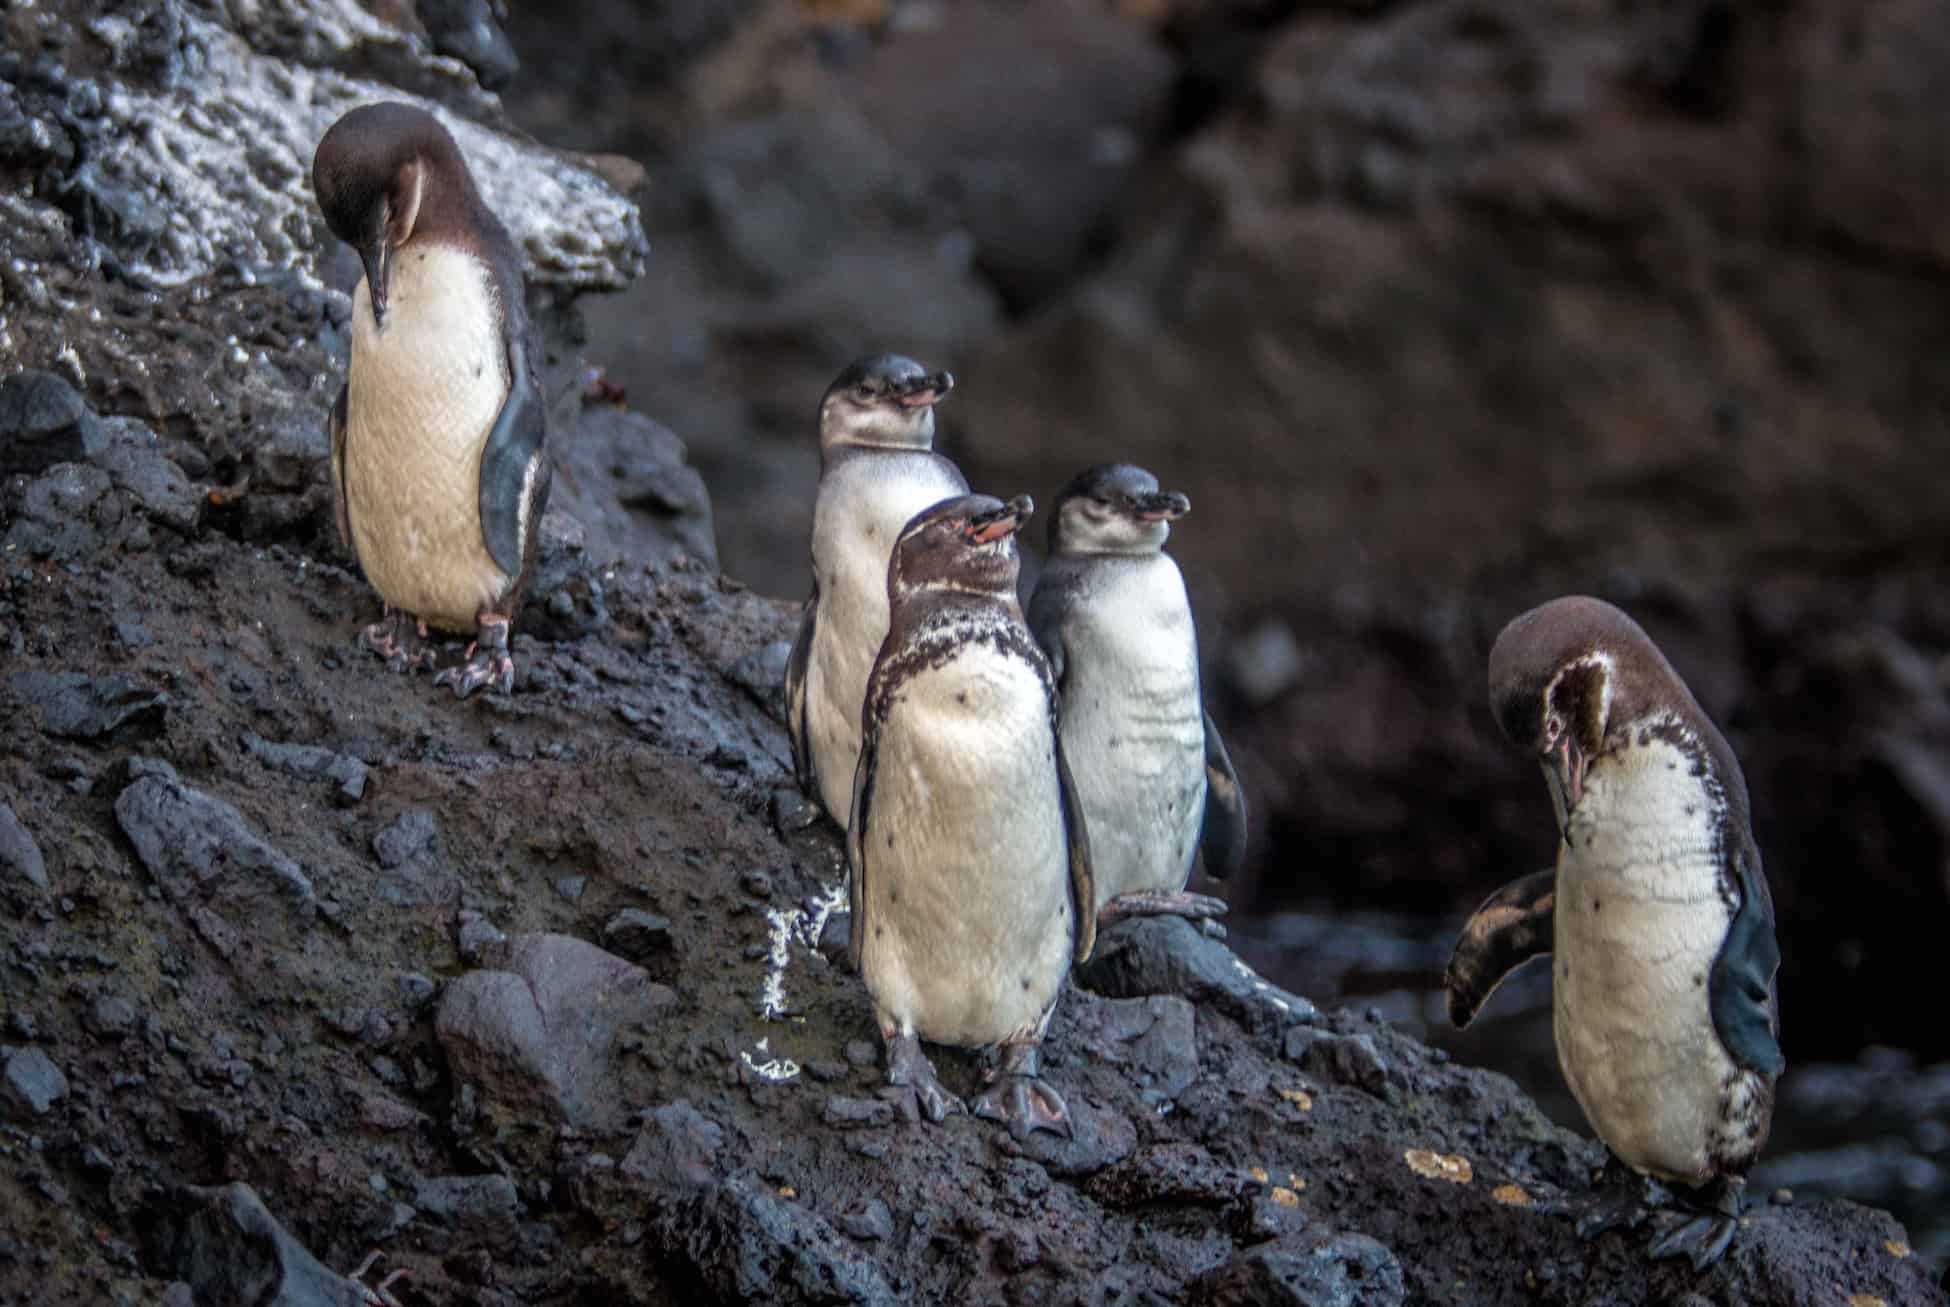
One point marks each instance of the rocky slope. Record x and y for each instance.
(532, 995)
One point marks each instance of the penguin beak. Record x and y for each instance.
(378, 259)
(927, 391)
(1165, 506)
(987, 528)
(1564, 773)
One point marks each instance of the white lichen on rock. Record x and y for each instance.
(224, 159)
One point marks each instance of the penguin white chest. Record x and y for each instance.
(862, 506)
(1133, 726)
(1641, 915)
(424, 391)
(968, 927)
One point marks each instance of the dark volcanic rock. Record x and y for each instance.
(134, 464)
(541, 1033)
(1169, 955)
(466, 30)
(636, 934)
(485, 1206)
(407, 838)
(1169, 1173)
(625, 478)
(210, 863)
(751, 1245)
(347, 774)
(76, 706)
(1319, 1270)
(20, 856)
(43, 421)
(32, 1079)
(225, 1244)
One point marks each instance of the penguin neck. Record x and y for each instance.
(1651, 800)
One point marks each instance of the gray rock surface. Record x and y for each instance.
(227, 1247)
(20, 855)
(33, 1081)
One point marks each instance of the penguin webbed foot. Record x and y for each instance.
(487, 660)
(1018, 1098)
(1705, 1237)
(400, 640)
(380, 1293)
(1161, 903)
(910, 1074)
(1625, 1199)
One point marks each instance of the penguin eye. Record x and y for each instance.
(864, 392)
(1553, 727)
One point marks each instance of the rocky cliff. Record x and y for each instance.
(531, 994)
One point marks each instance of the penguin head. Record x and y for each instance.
(1569, 677)
(966, 545)
(381, 173)
(1114, 508)
(885, 401)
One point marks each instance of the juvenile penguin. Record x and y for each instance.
(878, 468)
(438, 456)
(970, 864)
(1657, 915)
(1110, 611)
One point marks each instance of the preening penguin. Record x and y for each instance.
(1657, 915)
(438, 445)
(970, 865)
(1152, 773)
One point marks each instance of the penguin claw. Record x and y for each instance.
(484, 667)
(1702, 1240)
(401, 641)
(910, 1074)
(1160, 903)
(1025, 1104)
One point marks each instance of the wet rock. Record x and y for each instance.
(56, 518)
(1151, 1038)
(43, 421)
(566, 590)
(869, 1221)
(761, 674)
(110, 1018)
(847, 1113)
(485, 1206)
(136, 466)
(771, 1249)
(466, 30)
(407, 838)
(32, 1080)
(626, 479)
(347, 774)
(1320, 1270)
(539, 1034)
(1168, 955)
(1344, 1059)
(677, 1143)
(228, 1248)
(636, 934)
(20, 856)
(1175, 1173)
(76, 706)
(210, 863)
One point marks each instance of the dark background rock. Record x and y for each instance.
(1434, 308)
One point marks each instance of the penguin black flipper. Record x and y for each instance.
(1740, 994)
(1223, 836)
(515, 472)
(1045, 624)
(856, 856)
(1076, 835)
(335, 425)
(1511, 927)
(795, 697)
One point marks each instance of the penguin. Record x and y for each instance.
(439, 459)
(1657, 916)
(968, 854)
(877, 469)
(1111, 613)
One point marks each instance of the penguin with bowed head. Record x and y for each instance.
(439, 459)
(1657, 916)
